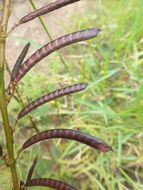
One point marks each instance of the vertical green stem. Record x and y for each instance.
(3, 107)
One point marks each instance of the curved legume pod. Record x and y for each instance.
(31, 169)
(19, 61)
(46, 9)
(68, 134)
(47, 182)
(51, 96)
(53, 46)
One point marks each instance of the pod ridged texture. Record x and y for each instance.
(46, 9)
(19, 61)
(53, 46)
(47, 182)
(68, 134)
(51, 96)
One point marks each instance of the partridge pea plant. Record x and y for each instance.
(21, 69)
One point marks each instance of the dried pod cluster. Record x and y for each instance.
(20, 70)
(53, 46)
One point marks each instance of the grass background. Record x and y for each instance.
(111, 108)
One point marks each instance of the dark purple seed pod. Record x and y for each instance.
(53, 46)
(46, 9)
(1, 152)
(31, 169)
(19, 61)
(68, 134)
(52, 96)
(46, 182)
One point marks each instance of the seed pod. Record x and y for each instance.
(31, 169)
(53, 46)
(68, 134)
(52, 96)
(1, 152)
(50, 183)
(46, 9)
(19, 61)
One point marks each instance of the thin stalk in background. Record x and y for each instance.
(50, 37)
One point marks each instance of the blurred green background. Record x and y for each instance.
(111, 108)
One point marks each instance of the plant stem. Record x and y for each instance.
(3, 107)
